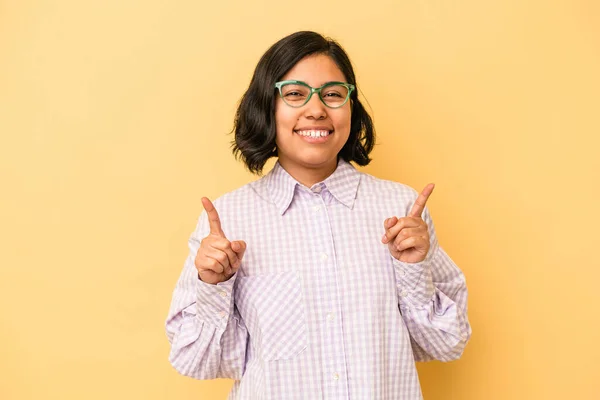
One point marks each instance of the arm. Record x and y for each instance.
(207, 335)
(432, 298)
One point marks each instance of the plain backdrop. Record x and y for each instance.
(115, 118)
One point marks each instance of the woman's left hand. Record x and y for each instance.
(408, 237)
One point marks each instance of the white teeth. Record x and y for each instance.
(314, 134)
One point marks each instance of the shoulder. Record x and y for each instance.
(393, 198)
(238, 209)
(240, 198)
(373, 186)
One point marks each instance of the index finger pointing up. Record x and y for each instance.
(213, 217)
(419, 206)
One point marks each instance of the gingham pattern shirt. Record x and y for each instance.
(319, 308)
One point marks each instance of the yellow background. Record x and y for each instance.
(114, 117)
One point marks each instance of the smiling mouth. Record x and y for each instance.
(314, 133)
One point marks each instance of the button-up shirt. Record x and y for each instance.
(319, 308)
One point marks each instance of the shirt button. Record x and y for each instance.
(316, 208)
(223, 294)
(330, 316)
(402, 272)
(317, 189)
(221, 314)
(323, 256)
(403, 293)
(336, 376)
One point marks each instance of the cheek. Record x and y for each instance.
(343, 120)
(285, 116)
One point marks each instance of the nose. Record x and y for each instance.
(315, 108)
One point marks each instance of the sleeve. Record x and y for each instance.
(432, 296)
(207, 335)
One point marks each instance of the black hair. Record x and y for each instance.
(254, 124)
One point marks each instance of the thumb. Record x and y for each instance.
(239, 246)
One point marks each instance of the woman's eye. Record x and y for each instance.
(293, 94)
(332, 94)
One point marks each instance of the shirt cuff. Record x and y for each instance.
(215, 302)
(414, 283)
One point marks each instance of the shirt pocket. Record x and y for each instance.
(272, 306)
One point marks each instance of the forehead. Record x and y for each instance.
(315, 70)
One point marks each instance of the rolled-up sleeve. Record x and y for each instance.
(207, 335)
(432, 297)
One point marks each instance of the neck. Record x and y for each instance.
(309, 175)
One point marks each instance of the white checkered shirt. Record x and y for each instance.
(319, 308)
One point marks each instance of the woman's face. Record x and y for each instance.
(298, 150)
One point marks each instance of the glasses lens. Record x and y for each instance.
(295, 95)
(334, 95)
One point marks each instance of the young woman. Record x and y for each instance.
(316, 281)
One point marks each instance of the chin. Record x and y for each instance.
(317, 161)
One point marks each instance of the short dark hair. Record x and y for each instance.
(254, 124)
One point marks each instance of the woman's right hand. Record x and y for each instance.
(217, 258)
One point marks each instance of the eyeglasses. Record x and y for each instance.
(297, 93)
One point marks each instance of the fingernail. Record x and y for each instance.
(384, 238)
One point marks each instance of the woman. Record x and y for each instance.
(290, 288)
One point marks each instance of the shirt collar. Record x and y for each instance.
(342, 184)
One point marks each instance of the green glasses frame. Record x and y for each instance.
(313, 90)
